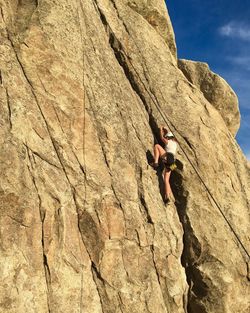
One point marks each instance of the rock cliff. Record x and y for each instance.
(215, 90)
(84, 86)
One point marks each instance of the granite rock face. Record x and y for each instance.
(155, 13)
(84, 86)
(215, 89)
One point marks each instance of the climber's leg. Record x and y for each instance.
(168, 190)
(158, 151)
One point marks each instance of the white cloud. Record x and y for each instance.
(236, 30)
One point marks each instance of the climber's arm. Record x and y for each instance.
(162, 135)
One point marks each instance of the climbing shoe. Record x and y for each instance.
(154, 165)
(166, 200)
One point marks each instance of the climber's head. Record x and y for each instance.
(169, 135)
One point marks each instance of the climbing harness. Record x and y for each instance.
(173, 167)
(168, 160)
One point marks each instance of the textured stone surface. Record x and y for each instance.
(215, 89)
(155, 13)
(83, 226)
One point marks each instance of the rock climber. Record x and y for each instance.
(167, 157)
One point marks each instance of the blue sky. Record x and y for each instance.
(218, 32)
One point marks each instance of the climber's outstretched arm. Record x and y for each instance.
(162, 135)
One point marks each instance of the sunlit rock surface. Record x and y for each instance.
(84, 86)
(215, 90)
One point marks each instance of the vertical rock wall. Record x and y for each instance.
(84, 85)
